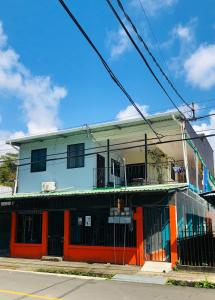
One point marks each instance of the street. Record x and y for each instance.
(22, 285)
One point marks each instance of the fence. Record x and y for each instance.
(196, 248)
(134, 174)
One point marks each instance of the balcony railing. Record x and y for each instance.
(134, 174)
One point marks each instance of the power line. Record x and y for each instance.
(202, 117)
(152, 32)
(128, 18)
(142, 56)
(112, 75)
(118, 149)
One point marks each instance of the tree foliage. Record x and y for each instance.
(8, 169)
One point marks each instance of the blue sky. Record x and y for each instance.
(50, 78)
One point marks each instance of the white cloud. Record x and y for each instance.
(130, 112)
(184, 34)
(118, 43)
(200, 67)
(39, 97)
(6, 135)
(153, 6)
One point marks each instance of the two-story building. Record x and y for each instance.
(111, 192)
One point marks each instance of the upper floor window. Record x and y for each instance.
(38, 160)
(75, 156)
(115, 167)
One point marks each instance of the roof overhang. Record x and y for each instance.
(113, 129)
(158, 188)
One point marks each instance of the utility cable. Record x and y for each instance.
(142, 56)
(123, 148)
(112, 75)
(128, 18)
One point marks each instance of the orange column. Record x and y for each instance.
(173, 234)
(139, 236)
(66, 232)
(44, 233)
(13, 233)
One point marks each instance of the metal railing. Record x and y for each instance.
(196, 247)
(134, 174)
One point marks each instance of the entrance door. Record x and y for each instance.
(100, 171)
(5, 227)
(55, 233)
(156, 233)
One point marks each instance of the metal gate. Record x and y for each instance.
(55, 233)
(156, 233)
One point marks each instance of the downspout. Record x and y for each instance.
(184, 145)
(17, 170)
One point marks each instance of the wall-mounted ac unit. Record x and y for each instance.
(49, 186)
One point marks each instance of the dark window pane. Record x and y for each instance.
(38, 160)
(29, 228)
(115, 167)
(100, 232)
(75, 156)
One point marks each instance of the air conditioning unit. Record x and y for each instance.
(48, 186)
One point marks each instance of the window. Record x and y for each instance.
(29, 228)
(75, 156)
(91, 228)
(115, 167)
(38, 160)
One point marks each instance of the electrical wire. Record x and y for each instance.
(114, 144)
(128, 18)
(118, 149)
(142, 56)
(112, 75)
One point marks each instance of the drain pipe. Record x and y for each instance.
(184, 145)
(17, 171)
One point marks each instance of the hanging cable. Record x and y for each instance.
(143, 57)
(150, 53)
(112, 75)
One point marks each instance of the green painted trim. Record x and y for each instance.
(132, 189)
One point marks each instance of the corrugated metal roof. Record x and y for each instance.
(131, 189)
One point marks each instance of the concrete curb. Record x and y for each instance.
(55, 274)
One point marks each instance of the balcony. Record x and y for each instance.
(135, 174)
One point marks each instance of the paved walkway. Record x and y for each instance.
(123, 273)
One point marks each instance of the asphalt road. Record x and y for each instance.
(25, 286)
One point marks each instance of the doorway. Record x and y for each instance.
(156, 234)
(100, 171)
(5, 234)
(55, 233)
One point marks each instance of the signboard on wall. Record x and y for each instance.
(87, 221)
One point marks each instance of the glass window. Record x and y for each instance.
(75, 156)
(115, 167)
(38, 160)
(29, 228)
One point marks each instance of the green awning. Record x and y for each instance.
(100, 191)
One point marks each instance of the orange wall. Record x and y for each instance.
(173, 234)
(102, 254)
(29, 250)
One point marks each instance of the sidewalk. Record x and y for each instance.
(122, 273)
